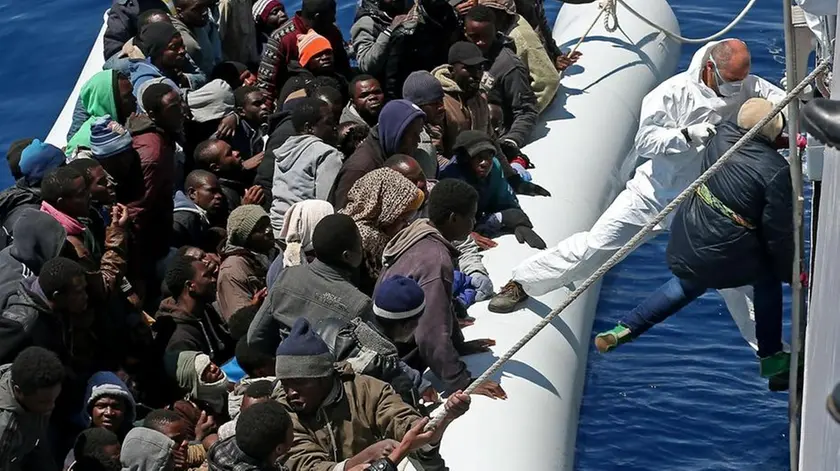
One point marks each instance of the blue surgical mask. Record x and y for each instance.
(726, 89)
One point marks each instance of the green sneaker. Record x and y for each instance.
(775, 365)
(606, 341)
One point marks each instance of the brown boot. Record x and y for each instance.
(508, 298)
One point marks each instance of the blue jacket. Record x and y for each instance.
(494, 194)
(710, 247)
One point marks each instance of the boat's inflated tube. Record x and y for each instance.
(589, 130)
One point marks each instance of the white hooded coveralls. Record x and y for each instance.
(670, 164)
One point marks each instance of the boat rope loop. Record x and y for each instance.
(611, 21)
(642, 235)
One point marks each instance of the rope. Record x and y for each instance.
(637, 239)
(583, 37)
(609, 7)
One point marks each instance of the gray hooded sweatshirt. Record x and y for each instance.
(305, 168)
(145, 449)
(22, 435)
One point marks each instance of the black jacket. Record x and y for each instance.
(280, 128)
(16, 198)
(40, 238)
(510, 80)
(122, 22)
(27, 320)
(712, 248)
(421, 42)
(178, 331)
(368, 157)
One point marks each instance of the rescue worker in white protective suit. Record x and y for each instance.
(677, 119)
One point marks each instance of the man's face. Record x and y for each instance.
(41, 402)
(481, 34)
(411, 137)
(305, 395)
(171, 114)
(276, 18)
(481, 164)
(261, 239)
(468, 77)
(175, 55)
(207, 195)
(368, 98)
(256, 108)
(203, 284)
(212, 373)
(435, 112)
(73, 300)
(127, 102)
(326, 127)
(208, 260)
(353, 257)
(229, 161)
(108, 412)
(101, 186)
(459, 226)
(321, 63)
(404, 332)
(77, 201)
(196, 13)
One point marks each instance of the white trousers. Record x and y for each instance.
(580, 254)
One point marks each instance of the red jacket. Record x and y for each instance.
(281, 49)
(152, 213)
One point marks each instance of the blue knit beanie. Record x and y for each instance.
(398, 298)
(108, 138)
(394, 118)
(38, 158)
(422, 88)
(303, 354)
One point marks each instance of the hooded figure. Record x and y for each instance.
(677, 119)
(189, 370)
(145, 449)
(39, 238)
(381, 203)
(306, 168)
(99, 97)
(36, 159)
(107, 383)
(298, 225)
(385, 139)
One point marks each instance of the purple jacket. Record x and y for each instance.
(421, 253)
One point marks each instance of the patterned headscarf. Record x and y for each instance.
(376, 201)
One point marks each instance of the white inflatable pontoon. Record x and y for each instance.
(578, 161)
(586, 134)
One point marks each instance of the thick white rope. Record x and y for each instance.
(440, 413)
(611, 22)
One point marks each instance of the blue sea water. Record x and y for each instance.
(686, 396)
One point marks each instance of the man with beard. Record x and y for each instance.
(366, 100)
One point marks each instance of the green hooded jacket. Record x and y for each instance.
(98, 97)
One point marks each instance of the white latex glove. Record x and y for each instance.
(700, 133)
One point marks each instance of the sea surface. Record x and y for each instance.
(686, 396)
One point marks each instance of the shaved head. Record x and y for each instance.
(732, 58)
(198, 178)
(409, 168)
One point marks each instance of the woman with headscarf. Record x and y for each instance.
(381, 203)
(298, 225)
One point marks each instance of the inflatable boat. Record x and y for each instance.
(579, 153)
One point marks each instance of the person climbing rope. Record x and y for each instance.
(735, 230)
